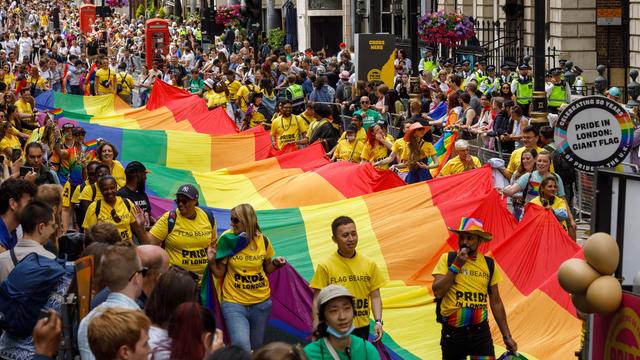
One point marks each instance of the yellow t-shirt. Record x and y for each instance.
(376, 153)
(103, 75)
(87, 194)
(559, 208)
(426, 151)
(39, 83)
(23, 107)
(256, 119)
(216, 99)
(117, 171)
(361, 135)
(398, 148)
(243, 95)
(466, 301)
(9, 141)
(455, 166)
(126, 81)
(246, 282)
(359, 274)
(286, 131)
(66, 194)
(8, 79)
(349, 151)
(233, 87)
(516, 155)
(124, 213)
(188, 242)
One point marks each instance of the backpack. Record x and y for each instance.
(561, 166)
(347, 91)
(173, 215)
(123, 80)
(451, 256)
(99, 204)
(27, 290)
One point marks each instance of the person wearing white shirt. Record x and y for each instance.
(123, 274)
(25, 44)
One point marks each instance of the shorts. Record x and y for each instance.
(473, 340)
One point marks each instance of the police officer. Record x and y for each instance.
(522, 88)
(558, 92)
(295, 93)
(428, 62)
(480, 73)
(490, 84)
(579, 84)
(505, 75)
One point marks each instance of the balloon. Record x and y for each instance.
(604, 295)
(580, 302)
(601, 252)
(575, 276)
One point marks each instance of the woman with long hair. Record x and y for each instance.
(336, 310)
(174, 287)
(193, 333)
(416, 155)
(377, 146)
(549, 200)
(454, 109)
(244, 257)
(529, 183)
(107, 154)
(527, 165)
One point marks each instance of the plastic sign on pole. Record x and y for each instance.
(593, 132)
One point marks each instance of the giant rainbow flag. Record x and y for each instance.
(405, 230)
(183, 149)
(300, 178)
(168, 108)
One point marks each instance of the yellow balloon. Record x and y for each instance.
(601, 252)
(575, 276)
(604, 295)
(580, 302)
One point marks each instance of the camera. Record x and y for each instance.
(105, 83)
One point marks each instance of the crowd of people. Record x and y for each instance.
(55, 190)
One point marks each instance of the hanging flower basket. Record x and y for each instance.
(449, 29)
(229, 14)
(116, 3)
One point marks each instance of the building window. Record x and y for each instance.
(325, 4)
(391, 17)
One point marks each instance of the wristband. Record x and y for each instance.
(506, 337)
(454, 268)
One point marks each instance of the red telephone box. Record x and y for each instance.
(87, 17)
(157, 40)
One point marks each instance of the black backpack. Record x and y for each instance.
(173, 215)
(451, 256)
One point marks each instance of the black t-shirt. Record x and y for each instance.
(140, 199)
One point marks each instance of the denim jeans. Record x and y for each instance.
(246, 324)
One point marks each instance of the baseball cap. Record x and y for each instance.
(614, 91)
(189, 191)
(68, 126)
(210, 83)
(342, 44)
(135, 166)
(79, 131)
(331, 292)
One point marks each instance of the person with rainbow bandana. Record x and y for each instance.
(465, 282)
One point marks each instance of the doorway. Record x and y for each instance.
(326, 32)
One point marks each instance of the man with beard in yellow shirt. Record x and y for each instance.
(287, 128)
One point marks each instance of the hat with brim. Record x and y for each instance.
(415, 126)
(331, 292)
(472, 226)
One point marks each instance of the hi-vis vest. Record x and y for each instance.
(297, 94)
(558, 95)
(524, 91)
(479, 77)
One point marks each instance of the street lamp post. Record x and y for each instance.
(539, 103)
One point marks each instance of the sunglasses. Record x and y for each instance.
(364, 102)
(235, 220)
(142, 272)
(115, 216)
